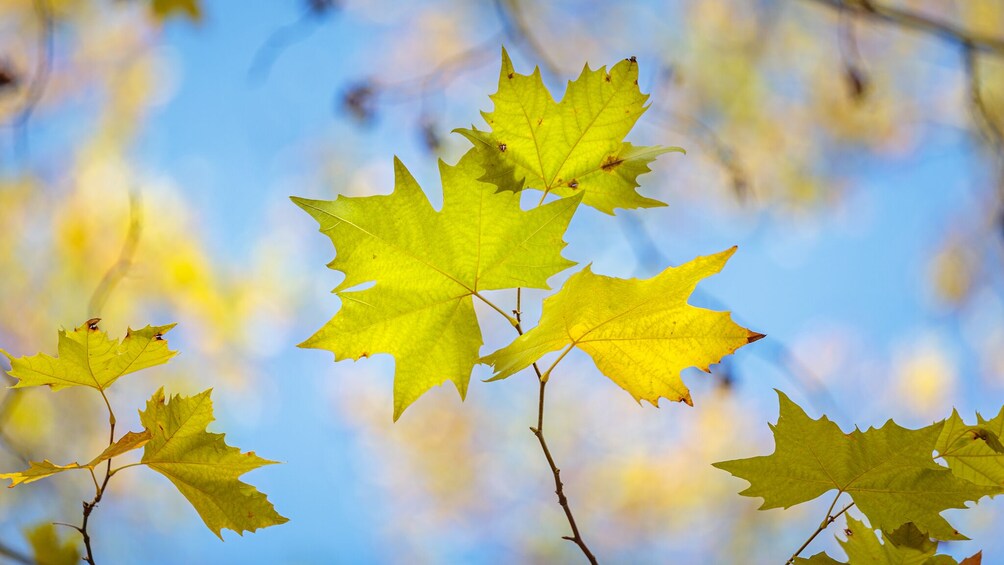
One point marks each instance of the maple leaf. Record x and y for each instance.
(569, 147)
(87, 357)
(48, 549)
(640, 333)
(42, 469)
(905, 546)
(889, 471)
(427, 267)
(975, 452)
(202, 466)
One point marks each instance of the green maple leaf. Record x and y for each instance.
(42, 469)
(640, 333)
(905, 546)
(203, 467)
(48, 549)
(889, 471)
(975, 452)
(87, 357)
(427, 266)
(570, 147)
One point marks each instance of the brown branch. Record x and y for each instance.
(99, 491)
(559, 489)
(921, 23)
(538, 432)
(121, 266)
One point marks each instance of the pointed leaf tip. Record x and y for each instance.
(755, 336)
(584, 132)
(622, 324)
(203, 467)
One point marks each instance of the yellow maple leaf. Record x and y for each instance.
(640, 333)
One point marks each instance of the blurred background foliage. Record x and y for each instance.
(852, 149)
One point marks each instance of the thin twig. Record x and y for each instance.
(907, 19)
(121, 267)
(99, 490)
(559, 489)
(988, 125)
(88, 508)
(280, 39)
(40, 78)
(850, 54)
(721, 152)
(9, 403)
(15, 555)
(538, 432)
(439, 77)
(830, 518)
(511, 16)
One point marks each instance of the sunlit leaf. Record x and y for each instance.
(203, 467)
(87, 357)
(640, 333)
(975, 452)
(40, 470)
(889, 472)
(569, 147)
(427, 266)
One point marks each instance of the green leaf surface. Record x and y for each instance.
(427, 267)
(889, 472)
(42, 469)
(905, 546)
(203, 467)
(570, 147)
(87, 357)
(640, 333)
(974, 453)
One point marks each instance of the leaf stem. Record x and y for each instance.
(117, 469)
(547, 373)
(830, 518)
(513, 321)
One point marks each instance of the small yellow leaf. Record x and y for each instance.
(87, 357)
(40, 470)
(570, 147)
(203, 467)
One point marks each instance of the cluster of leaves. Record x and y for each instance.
(174, 438)
(429, 266)
(890, 475)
